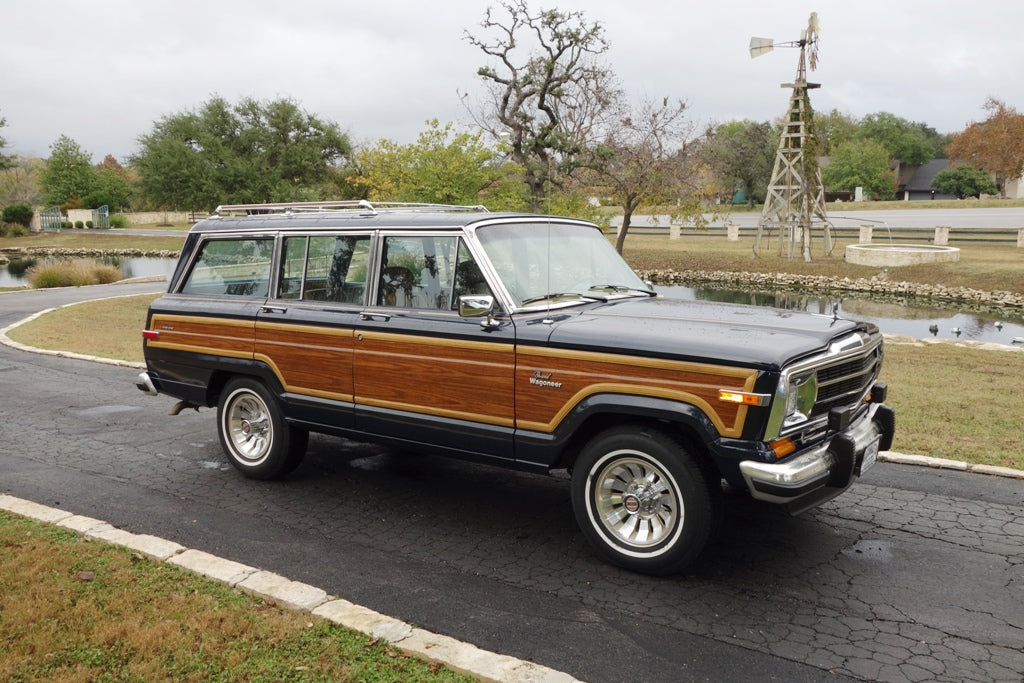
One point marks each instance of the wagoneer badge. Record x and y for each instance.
(541, 380)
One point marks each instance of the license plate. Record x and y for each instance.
(870, 456)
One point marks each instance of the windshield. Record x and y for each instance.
(545, 261)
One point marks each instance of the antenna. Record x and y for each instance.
(796, 199)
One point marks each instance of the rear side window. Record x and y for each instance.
(232, 267)
(325, 268)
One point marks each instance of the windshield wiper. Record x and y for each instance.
(624, 288)
(556, 295)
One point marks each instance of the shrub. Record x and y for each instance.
(88, 224)
(71, 274)
(105, 274)
(118, 220)
(13, 230)
(18, 213)
(79, 225)
(67, 225)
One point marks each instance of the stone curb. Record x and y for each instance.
(943, 464)
(461, 657)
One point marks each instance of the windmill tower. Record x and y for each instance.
(795, 204)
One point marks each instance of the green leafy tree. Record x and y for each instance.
(112, 188)
(442, 167)
(545, 90)
(252, 151)
(68, 174)
(833, 130)
(861, 163)
(903, 140)
(742, 154)
(964, 181)
(995, 145)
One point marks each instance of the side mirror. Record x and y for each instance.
(475, 305)
(478, 306)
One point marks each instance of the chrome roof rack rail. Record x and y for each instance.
(361, 205)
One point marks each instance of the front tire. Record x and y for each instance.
(254, 434)
(643, 501)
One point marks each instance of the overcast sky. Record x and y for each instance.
(103, 71)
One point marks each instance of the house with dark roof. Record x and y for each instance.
(918, 180)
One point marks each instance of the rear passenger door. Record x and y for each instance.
(305, 332)
(424, 374)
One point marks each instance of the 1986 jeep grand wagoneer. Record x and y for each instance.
(518, 340)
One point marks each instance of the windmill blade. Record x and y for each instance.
(761, 46)
(812, 41)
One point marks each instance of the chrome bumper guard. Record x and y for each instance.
(824, 471)
(145, 383)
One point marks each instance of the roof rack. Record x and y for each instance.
(362, 205)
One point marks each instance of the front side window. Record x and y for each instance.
(427, 272)
(232, 267)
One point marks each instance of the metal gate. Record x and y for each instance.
(101, 217)
(51, 219)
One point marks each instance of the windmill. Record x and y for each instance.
(795, 203)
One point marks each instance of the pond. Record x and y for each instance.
(912, 318)
(13, 274)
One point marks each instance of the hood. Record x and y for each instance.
(731, 334)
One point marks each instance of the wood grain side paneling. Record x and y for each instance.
(551, 382)
(444, 377)
(214, 336)
(316, 361)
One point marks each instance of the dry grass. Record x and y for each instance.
(110, 328)
(73, 610)
(109, 240)
(956, 403)
(76, 273)
(989, 267)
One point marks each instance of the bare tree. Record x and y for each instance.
(648, 158)
(547, 92)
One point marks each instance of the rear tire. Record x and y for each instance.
(254, 434)
(643, 501)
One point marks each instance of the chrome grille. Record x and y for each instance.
(846, 383)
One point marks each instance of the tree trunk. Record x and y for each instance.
(620, 241)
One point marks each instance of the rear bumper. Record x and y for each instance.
(145, 383)
(822, 472)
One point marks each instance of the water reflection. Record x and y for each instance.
(893, 315)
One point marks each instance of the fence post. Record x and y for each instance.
(942, 235)
(732, 232)
(865, 234)
(674, 228)
(1020, 238)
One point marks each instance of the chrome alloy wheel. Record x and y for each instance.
(249, 427)
(635, 500)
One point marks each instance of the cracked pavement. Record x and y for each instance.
(912, 575)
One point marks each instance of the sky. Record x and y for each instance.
(103, 72)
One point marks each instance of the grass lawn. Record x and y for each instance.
(72, 609)
(107, 240)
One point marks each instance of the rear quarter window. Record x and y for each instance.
(232, 267)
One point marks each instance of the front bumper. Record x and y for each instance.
(813, 476)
